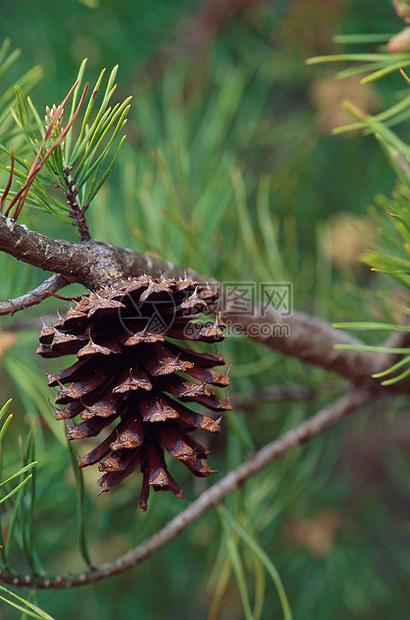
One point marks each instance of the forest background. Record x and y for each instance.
(228, 141)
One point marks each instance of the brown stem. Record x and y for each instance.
(317, 424)
(76, 212)
(49, 286)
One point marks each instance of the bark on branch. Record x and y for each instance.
(318, 423)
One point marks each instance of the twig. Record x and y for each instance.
(76, 212)
(317, 424)
(51, 285)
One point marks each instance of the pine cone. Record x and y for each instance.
(128, 372)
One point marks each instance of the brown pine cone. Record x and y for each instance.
(129, 373)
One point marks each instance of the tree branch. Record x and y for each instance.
(51, 285)
(94, 263)
(315, 425)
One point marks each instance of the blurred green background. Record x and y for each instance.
(230, 168)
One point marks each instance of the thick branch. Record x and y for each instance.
(51, 285)
(312, 427)
(94, 263)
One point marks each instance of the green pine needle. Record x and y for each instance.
(226, 519)
(25, 606)
(81, 517)
(77, 169)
